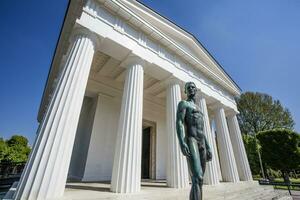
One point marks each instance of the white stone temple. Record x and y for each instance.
(109, 106)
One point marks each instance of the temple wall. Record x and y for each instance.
(93, 152)
(82, 140)
(102, 144)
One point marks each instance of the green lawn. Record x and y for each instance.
(293, 180)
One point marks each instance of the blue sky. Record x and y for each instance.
(257, 42)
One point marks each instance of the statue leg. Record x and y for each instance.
(194, 162)
(203, 160)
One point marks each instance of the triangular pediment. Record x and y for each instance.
(186, 41)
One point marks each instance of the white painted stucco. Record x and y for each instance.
(99, 161)
(101, 152)
(110, 72)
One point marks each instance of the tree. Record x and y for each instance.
(280, 149)
(259, 112)
(16, 149)
(17, 140)
(3, 149)
(251, 147)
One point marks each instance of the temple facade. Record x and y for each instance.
(108, 110)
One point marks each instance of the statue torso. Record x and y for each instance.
(194, 121)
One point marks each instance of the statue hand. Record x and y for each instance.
(208, 156)
(185, 150)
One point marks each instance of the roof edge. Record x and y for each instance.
(190, 35)
(67, 24)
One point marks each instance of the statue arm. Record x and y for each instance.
(180, 128)
(208, 151)
(207, 146)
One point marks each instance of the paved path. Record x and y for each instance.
(295, 195)
(160, 191)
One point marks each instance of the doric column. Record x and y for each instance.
(238, 148)
(216, 150)
(211, 175)
(177, 170)
(126, 175)
(46, 171)
(228, 164)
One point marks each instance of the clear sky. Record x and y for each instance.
(257, 42)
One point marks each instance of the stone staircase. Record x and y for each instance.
(157, 190)
(244, 191)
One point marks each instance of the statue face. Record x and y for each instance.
(190, 89)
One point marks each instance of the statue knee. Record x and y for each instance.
(197, 179)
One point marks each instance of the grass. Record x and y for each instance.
(293, 180)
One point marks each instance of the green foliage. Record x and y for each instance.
(280, 149)
(251, 149)
(259, 112)
(3, 149)
(274, 173)
(16, 149)
(17, 140)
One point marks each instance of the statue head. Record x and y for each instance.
(190, 89)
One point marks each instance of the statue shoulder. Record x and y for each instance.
(182, 105)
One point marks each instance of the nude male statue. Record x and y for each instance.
(193, 143)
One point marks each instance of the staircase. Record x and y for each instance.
(244, 191)
(157, 190)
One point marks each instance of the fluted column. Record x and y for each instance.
(211, 175)
(228, 164)
(177, 170)
(238, 148)
(216, 152)
(126, 175)
(45, 174)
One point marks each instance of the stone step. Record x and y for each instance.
(159, 191)
(223, 191)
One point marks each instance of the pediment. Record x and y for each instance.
(186, 41)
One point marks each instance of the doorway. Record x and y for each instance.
(148, 150)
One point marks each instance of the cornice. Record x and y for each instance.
(73, 10)
(120, 9)
(124, 28)
(80, 31)
(190, 38)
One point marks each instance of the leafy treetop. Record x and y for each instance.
(15, 149)
(260, 112)
(280, 149)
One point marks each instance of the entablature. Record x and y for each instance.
(202, 61)
(114, 29)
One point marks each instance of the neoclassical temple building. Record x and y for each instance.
(109, 106)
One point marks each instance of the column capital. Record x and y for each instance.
(216, 106)
(172, 80)
(131, 60)
(232, 113)
(200, 94)
(80, 31)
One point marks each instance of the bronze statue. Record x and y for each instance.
(193, 143)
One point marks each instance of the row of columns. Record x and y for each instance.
(233, 158)
(233, 164)
(46, 171)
